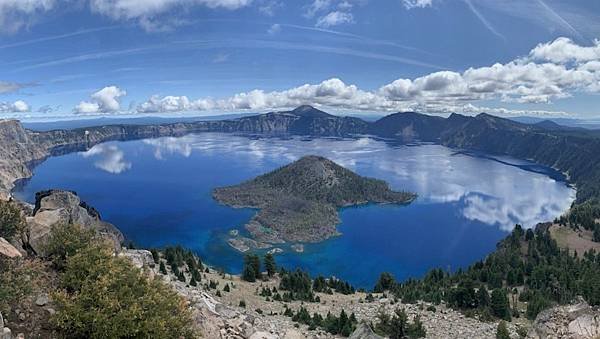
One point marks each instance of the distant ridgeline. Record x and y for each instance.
(573, 151)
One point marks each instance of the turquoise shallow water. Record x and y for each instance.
(158, 193)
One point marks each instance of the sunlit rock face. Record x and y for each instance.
(56, 206)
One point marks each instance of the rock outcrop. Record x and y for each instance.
(56, 206)
(139, 258)
(8, 250)
(17, 151)
(575, 321)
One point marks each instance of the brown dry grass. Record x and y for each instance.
(567, 238)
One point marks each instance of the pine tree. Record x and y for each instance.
(385, 282)
(226, 288)
(248, 273)
(483, 297)
(500, 305)
(416, 329)
(163, 269)
(155, 255)
(270, 265)
(251, 270)
(502, 331)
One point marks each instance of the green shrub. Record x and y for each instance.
(104, 296)
(66, 240)
(17, 280)
(11, 221)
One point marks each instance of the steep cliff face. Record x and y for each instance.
(304, 120)
(578, 156)
(409, 126)
(17, 149)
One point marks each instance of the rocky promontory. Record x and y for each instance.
(59, 206)
(299, 202)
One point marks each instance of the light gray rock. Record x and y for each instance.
(6, 333)
(8, 250)
(293, 334)
(1, 321)
(263, 335)
(42, 300)
(576, 321)
(139, 258)
(56, 206)
(363, 331)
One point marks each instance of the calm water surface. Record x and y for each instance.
(157, 192)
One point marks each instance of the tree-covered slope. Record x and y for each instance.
(298, 202)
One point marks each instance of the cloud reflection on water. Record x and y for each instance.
(489, 192)
(108, 157)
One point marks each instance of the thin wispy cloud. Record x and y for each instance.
(361, 38)
(561, 20)
(11, 87)
(85, 57)
(483, 20)
(58, 37)
(288, 45)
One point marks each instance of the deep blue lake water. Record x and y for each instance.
(158, 192)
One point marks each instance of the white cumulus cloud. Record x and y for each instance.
(16, 14)
(335, 18)
(128, 9)
(148, 12)
(564, 50)
(18, 106)
(106, 100)
(545, 75)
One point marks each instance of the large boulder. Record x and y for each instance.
(8, 250)
(139, 258)
(575, 321)
(57, 206)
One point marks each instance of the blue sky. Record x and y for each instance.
(84, 58)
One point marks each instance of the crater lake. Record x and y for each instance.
(158, 193)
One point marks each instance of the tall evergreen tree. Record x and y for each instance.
(499, 304)
(251, 270)
(270, 265)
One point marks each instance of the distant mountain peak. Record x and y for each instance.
(309, 111)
